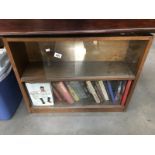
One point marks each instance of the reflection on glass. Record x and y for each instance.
(76, 57)
(94, 50)
(79, 51)
(71, 51)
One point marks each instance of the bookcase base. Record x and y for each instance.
(82, 109)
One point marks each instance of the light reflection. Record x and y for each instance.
(79, 51)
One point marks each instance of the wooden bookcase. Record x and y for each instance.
(121, 57)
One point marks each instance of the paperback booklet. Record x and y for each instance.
(40, 94)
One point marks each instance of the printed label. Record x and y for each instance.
(57, 55)
(47, 49)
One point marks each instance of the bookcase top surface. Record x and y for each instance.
(13, 27)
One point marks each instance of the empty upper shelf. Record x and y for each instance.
(37, 71)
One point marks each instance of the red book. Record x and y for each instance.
(125, 93)
(57, 95)
(62, 90)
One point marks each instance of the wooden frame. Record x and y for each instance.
(19, 61)
(43, 27)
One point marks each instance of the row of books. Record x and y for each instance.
(46, 94)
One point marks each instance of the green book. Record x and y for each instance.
(72, 91)
(78, 88)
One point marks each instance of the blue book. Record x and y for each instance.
(111, 91)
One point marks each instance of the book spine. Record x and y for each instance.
(118, 91)
(72, 92)
(111, 91)
(99, 91)
(78, 89)
(60, 87)
(126, 91)
(85, 89)
(106, 97)
(123, 87)
(92, 91)
(56, 94)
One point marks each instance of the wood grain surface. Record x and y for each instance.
(74, 26)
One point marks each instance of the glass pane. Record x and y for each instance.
(84, 51)
(81, 59)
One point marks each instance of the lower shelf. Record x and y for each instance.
(78, 108)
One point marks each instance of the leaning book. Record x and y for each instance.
(40, 94)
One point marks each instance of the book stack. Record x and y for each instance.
(102, 92)
(70, 92)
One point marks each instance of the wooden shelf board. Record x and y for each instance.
(86, 108)
(36, 71)
(73, 26)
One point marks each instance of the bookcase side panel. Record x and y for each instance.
(17, 71)
(33, 51)
(19, 55)
(139, 70)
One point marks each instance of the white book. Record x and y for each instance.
(92, 91)
(40, 94)
(106, 97)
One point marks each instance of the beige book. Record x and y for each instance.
(92, 91)
(106, 97)
(73, 93)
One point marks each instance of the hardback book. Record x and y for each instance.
(84, 86)
(126, 91)
(103, 89)
(111, 91)
(92, 91)
(118, 91)
(98, 90)
(72, 91)
(114, 84)
(40, 94)
(57, 95)
(123, 86)
(78, 88)
(62, 90)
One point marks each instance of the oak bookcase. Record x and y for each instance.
(120, 57)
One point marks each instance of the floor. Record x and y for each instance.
(139, 118)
